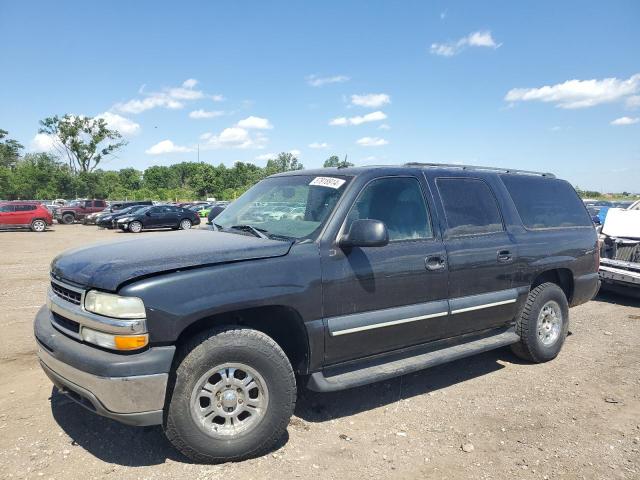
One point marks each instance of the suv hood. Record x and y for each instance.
(107, 265)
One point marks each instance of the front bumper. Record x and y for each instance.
(130, 388)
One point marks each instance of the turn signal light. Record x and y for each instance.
(131, 342)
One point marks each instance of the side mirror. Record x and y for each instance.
(366, 233)
(148, 214)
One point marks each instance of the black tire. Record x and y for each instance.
(531, 346)
(230, 345)
(137, 226)
(68, 218)
(38, 225)
(185, 224)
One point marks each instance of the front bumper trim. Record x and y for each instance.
(134, 400)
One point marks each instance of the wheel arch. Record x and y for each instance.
(563, 277)
(282, 323)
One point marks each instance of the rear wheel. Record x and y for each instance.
(68, 218)
(233, 396)
(135, 226)
(543, 324)
(185, 224)
(38, 225)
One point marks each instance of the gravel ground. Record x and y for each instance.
(489, 416)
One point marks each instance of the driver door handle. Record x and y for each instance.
(505, 256)
(435, 262)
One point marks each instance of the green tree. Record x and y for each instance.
(334, 161)
(9, 150)
(159, 176)
(83, 141)
(284, 162)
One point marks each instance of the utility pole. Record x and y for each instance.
(198, 153)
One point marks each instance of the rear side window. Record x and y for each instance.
(469, 206)
(25, 208)
(546, 202)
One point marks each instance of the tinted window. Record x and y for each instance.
(398, 202)
(25, 208)
(546, 202)
(99, 203)
(469, 205)
(7, 208)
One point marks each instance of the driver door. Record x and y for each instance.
(378, 299)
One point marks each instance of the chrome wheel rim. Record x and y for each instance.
(39, 226)
(549, 323)
(135, 227)
(228, 400)
(185, 224)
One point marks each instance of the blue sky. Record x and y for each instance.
(549, 86)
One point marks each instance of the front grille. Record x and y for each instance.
(66, 323)
(65, 293)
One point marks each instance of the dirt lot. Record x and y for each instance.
(575, 417)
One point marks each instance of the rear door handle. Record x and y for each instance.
(504, 256)
(435, 262)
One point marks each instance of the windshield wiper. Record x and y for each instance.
(258, 232)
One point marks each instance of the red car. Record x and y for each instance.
(30, 215)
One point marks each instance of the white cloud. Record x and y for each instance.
(384, 126)
(42, 143)
(633, 101)
(316, 81)
(371, 100)
(166, 146)
(474, 39)
(625, 121)
(360, 119)
(579, 93)
(190, 83)
(199, 114)
(295, 152)
(319, 145)
(233, 137)
(266, 156)
(121, 124)
(371, 142)
(258, 123)
(170, 98)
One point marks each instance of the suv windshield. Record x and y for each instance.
(293, 206)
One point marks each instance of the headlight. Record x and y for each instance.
(115, 342)
(125, 219)
(114, 306)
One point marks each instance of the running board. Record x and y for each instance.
(374, 371)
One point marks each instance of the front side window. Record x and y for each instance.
(398, 203)
(293, 206)
(469, 206)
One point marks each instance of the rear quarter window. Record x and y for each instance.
(546, 202)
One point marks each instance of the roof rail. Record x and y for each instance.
(476, 167)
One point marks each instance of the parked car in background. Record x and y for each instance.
(620, 251)
(159, 216)
(115, 206)
(215, 211)
(31, 215)
(391, 270)
(92, 218)
(77, 210)
(110, 220)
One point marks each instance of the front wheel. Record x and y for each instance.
(68, 218)
(38, 225)
(543, 324)
(185, 224)
(135, 226)
(233, 396)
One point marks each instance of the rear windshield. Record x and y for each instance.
(546, 202)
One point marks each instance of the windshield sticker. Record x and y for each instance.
(330, 182)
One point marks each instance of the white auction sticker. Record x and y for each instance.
(330, 182)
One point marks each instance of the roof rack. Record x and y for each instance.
(476, 167)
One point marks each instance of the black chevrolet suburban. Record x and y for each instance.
(332, 278)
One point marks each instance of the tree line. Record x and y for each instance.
(81, 143)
